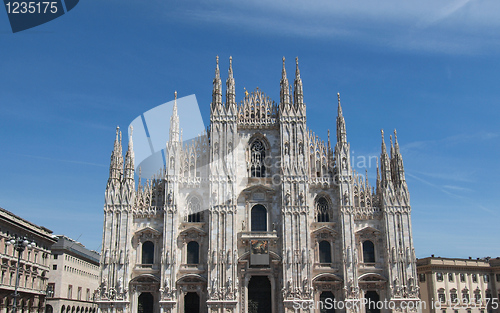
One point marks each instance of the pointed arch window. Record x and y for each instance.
(259, 218)
(148, 252)
(322, 210)
(193, 253)
(257, 158)
(368, 252)
(194, 210)
(325, 252)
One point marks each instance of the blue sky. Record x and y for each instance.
(429, 69)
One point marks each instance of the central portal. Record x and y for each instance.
(145, 304)
(191, 303)
(259, 295)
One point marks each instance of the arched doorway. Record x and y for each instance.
(326, 299)
(259, 295)
(191, 303)
(373, 300)
(145, 304)
(49, 309)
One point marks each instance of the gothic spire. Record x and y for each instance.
(116, 164)
(174, 122)
(367, 183)
(217, 88)
(230, 88)
(378, 178)
(392, 147)
(284, 89)
(398, 167)
(385, 166)
(341, 132)
(329, 145)
(396, 145)
(129, 157)
(298, 94)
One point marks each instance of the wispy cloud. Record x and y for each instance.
(61, 160)
(442, 13)
(458, 139)
(445, 26)
(457, 188)
(455, 192)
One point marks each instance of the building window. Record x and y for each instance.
(325, 252)
(368, 252)
(194, 218)
(486, 278)
(87, 296)
(465, 297)
(441, 296)
(70, 292)
(257, 158)
(54, 267)
(462, 277)
(79, 295)
(421, 277)
(193, 253)
(477, 296)
(474, 278)
(194, 210)
(498, 277)
(259, 218)
(148, 252)
(55, 256)
(439, 276)
(488, 296)
(50, 290)
(322, 210)
(450, 277)
(453, 296)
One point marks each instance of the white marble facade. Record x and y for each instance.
(257, 215)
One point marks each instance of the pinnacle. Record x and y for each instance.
(339, 109)
(384, 150)
(297, 71)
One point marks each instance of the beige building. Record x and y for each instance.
(459, 285)
(73, 278)
(33, 265)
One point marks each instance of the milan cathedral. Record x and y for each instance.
(256, 215)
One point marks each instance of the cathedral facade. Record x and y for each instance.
(257, 215)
